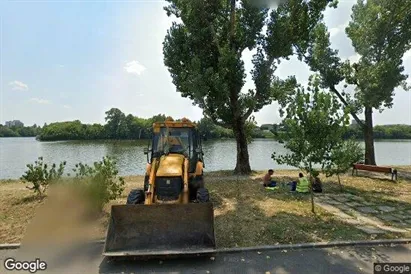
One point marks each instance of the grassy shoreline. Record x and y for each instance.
(245, 213)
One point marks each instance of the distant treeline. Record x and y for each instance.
(355, 131)
(382, 132)
(16, 131)
(119, 127)
(128, 127)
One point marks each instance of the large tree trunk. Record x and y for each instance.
(243, 159)
(369, 138)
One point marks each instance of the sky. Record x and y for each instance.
(74, 60)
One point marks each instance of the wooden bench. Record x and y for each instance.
(381, 169)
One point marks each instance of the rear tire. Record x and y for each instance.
(136, 196)
(202, 195)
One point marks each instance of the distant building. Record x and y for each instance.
(15, 123)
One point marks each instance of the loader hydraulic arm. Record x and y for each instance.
(185, 190)
(149, 199)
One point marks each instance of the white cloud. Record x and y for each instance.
(407, 55)
(336, 30)
(17, 85)
(354, 58)
(134, 67)
(67, 106)
(40, 101)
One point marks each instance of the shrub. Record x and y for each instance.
(41, 177)
(99, 182)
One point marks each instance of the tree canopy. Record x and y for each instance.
(204, 55)
(380, 31)
(15, 131)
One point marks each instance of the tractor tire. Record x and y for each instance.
(202, 195)
(135, 197)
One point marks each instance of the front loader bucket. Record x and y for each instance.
(160, 230)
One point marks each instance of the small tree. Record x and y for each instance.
(41, 177)
(342, 157)
(99, 182)
(315, 124)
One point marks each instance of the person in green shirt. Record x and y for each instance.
(302, 186)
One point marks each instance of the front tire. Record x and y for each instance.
(203, 195)
(136, 196)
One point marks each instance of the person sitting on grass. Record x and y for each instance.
(302, 186)
(316, 182)
(267, 181)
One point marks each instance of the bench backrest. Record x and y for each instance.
(373, 168)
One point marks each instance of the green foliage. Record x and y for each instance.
(14, 131)
(342, 157)
(382, 132)
(7, 132)
(118, 126)
(41, 176)
(315, 125)
(251, 129)
(380, 33)
(74, 130)
(209, 130)
(204, 55)
(99, 183)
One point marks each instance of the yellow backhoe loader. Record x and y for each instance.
(172, 215)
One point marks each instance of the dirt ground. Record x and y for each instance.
(245, 213)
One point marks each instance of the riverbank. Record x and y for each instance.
(248, 215)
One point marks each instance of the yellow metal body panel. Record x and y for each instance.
(149, 193)
(170, 165)
(148, 169)
(199, 169)
(185, 191)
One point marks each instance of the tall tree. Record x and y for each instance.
(115, 121)
(380, 31)
(204, 55)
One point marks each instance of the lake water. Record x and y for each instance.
(16, 153)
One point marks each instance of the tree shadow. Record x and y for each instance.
(29, 199)
(249, 223)
(375, 176)
(254, 220)
(376, 196)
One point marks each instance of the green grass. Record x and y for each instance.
(246, 214)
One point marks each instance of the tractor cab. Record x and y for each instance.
(181, 137)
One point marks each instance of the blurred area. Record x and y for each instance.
(61, 228)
